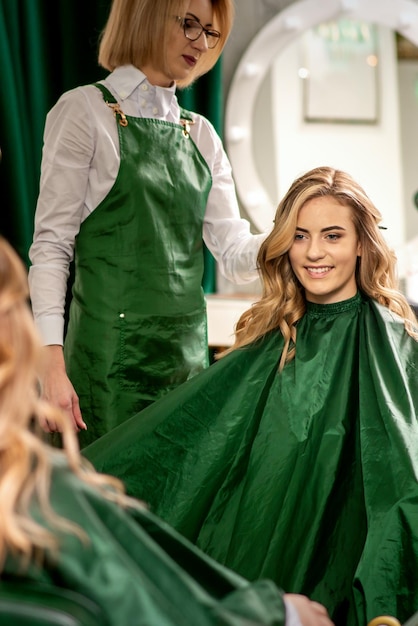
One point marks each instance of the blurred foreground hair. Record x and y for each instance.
(25, 459)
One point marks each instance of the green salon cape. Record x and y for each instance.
(141, 572)
(308, 476)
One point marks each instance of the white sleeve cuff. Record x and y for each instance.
(51, 329)
(292, 616)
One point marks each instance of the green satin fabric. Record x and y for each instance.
(308, 476)
(138, 315)
(140, 571)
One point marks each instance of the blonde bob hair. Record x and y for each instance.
(25, 459)
(283, 301)
(138, 32)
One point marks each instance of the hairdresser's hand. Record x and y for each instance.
(310, 613)
(58, 390)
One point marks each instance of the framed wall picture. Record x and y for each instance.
(340, 65)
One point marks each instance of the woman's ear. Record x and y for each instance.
(359, 249)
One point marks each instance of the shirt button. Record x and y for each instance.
(121, 315)
(155, 110)
(143, 102)
(144, 87)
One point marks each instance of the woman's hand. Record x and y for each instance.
(310, 613)
(58, 390)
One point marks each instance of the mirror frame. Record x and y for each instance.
(283, 29)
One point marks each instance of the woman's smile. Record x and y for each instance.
(318, 272)
(325, 250)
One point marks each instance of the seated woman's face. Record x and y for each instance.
(325, 250)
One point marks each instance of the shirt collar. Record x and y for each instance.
(126, 79)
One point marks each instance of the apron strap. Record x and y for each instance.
(112, 103)
(186, 115)
(107, 96)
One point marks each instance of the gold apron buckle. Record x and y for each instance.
(186, 127)
(118, 113)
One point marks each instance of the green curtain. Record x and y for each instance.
(47, 48)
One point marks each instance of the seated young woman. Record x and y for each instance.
(296, 455)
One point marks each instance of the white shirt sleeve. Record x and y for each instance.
(66, 163)
(225, 233)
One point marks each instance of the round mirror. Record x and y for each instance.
(280, 120)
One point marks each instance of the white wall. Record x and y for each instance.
(408, 83)
(408, 90)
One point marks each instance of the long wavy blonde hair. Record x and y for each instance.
(25, 459)
(283, 302)
(138, 32)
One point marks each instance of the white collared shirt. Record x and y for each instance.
(80, 163)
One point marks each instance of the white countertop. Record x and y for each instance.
(223, 313)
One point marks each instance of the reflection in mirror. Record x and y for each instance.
(297, 122)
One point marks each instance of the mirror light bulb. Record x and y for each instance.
(237, 133)
(250, 70)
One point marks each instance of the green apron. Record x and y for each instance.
(137, 324)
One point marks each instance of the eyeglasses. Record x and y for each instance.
(193, 29)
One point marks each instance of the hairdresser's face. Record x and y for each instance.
(183, 54)
(325, 250)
